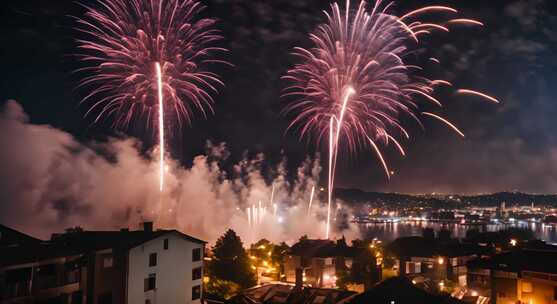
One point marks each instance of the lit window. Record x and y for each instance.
(526, 286)
(165, 245)
(196, 292)
(196, 254)
(153, 259)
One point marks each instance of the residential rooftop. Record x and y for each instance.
(76, 241)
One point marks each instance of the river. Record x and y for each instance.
(391, 231)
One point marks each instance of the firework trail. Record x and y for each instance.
(143, 56)
(353, 85)
(311, 199)
(161, 125)
(271, 202)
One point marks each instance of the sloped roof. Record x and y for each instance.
(323, 248)
(282, 293)
(417, 246)
(519, 260)
(80, 242)
(400, 290)
(9, 236)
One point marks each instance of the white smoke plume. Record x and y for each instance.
(49, 182)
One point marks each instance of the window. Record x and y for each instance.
(196, 255)
(150, 283)
(165, 245)
(108, 261)
(526, 286)
(196, 292)
(153, 259)
(196, 273)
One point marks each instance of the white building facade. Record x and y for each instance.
(166, 270)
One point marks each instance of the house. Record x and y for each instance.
(517, 276)
(286, 293)
(319, 262)
(400, 290)
(104, 267)
(434, 259)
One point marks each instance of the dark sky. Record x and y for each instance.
(510, 146)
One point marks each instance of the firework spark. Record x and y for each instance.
(466, 21)
(471, 92)
(144, 56)
(353, 86)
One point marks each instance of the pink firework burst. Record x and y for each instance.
(354, 85)
(128, 39)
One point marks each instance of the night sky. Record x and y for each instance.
(511, 146)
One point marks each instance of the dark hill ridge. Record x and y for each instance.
(356, 196)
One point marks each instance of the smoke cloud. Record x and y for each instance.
(50, 181)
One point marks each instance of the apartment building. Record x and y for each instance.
(519, 276)
(104, 267)
(433, 259)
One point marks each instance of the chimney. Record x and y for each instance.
(148, 226)
(299, 278)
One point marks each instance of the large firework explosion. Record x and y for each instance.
(353, 86)
(144, 56)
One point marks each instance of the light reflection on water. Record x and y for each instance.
(391, 231)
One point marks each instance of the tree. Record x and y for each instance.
(230, 261)
(366, 264)
(218, 289)
(279, 251)
(267, 258)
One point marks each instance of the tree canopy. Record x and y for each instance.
(230, 261)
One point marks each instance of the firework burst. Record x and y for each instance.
(145, 58)
(354, 85)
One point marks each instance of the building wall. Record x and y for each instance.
(505, 285)
(479, 280)
(538, 288)
(107, 273)
(173, 271)
(41, 285)
(318, 272)
(291, 262)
